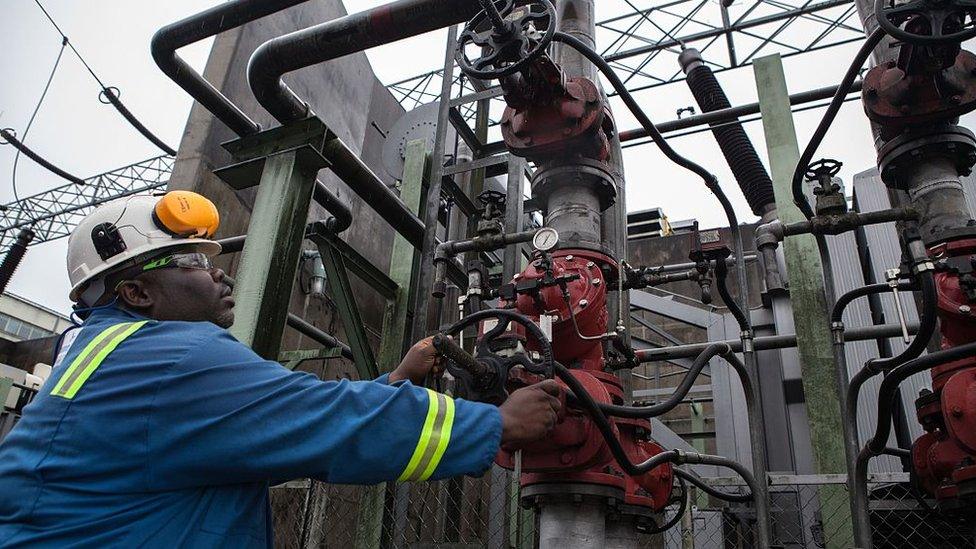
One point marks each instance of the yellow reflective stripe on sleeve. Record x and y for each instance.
(79, 372)
(434, 438)
(83, 357)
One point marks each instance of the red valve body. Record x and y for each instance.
(576, 452)
(944, 457)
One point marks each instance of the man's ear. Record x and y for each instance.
(134, 294)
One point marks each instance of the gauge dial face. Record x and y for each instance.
(545, 239)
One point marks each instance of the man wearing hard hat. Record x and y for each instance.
(157, 428)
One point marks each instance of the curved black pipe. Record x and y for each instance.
(14, 256)
(726, 496)
(680, 512)
(736, 147)
(889, 388)
(675, 398)
(339, 37)
(927, 324)
(12, 139)
(722, 283)
(113, 98)
(837, 313)
(203, 25)
(209, 23)
(799, 197)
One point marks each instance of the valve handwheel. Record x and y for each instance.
(941, 16)
(824, 167)
(506, 40)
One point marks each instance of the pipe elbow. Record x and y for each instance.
(264, 77)
(770, 234)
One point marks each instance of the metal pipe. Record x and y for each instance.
(203, 25)
(730, 114)
(337, 38)
(447, 250)
(764, 343)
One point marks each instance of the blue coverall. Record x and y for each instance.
(174, 437)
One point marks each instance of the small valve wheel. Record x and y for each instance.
(825, 167)
(948, 21)
(506, 40)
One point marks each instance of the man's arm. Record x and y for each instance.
(224, 415)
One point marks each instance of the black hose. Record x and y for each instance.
(593, 408)
(927, 325)
(721, 280)
(837, 314)
(26, 151)
(710, 180)
(799, 197)
(889, 387)
(725, 496)
(680, 392)
(14, 256)
(680, 512)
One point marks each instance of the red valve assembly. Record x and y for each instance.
(944, 458)
(569, 289)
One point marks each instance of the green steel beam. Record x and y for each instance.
(345, 300)
(808, 300)
(403, 259)
(291, 359)
(275, 232)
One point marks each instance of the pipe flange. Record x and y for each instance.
(538, 494)
(903, 151)
(583, 171)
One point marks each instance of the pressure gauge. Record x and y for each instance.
(545, 239)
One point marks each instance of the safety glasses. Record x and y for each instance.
(191, 260)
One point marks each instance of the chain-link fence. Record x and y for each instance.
(807, 511)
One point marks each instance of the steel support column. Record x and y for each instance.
(269, 260)
(824, 399)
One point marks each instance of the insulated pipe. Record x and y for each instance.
(736, 147)
(340, 37)
(12, 139)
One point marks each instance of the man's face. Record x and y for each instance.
(191, 294)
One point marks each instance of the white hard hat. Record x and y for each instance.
(129, 229)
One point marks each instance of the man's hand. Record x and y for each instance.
(529, 414)
(420, 360)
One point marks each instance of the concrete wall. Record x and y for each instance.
(348, 98)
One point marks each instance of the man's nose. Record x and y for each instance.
(218, 274)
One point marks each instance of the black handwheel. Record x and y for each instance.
(947, 20)
(823, 167)
(497, 52)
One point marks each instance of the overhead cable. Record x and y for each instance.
(110, 93)
(37, 108)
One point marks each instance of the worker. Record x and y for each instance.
(158, 429)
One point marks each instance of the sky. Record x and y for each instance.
(85, 137)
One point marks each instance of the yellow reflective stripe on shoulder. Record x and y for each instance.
(434, 438)
(91, 358)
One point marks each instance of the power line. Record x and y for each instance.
(30, 122)
(111, 93)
